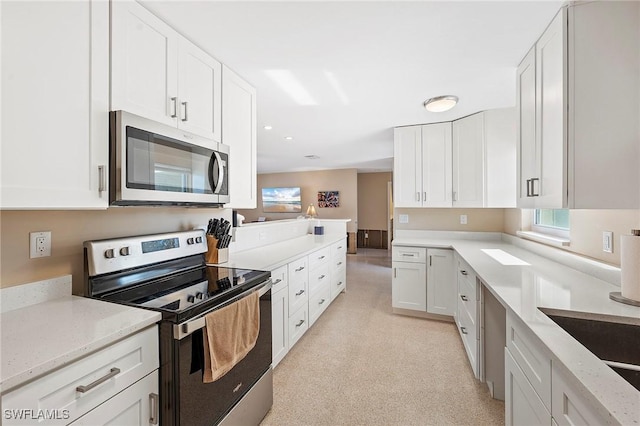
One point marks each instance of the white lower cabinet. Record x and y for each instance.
(568, 407)
(318, 302)
(441, 291)
(97, 382)
(137, 405)
(523, 406)
(468, 313)
(279, 324)
(298, 325)
(409, 286)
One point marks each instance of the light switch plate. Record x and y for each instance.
(463, 219)
(607, 242)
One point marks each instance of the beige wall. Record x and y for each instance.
(372, 200)
(586, 227)
(343, 180)
(69, 229)
(448, 219)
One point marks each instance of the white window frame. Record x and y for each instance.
(548, 230)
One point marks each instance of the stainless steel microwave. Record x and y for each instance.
(155, 164)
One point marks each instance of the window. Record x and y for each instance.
(551, 222)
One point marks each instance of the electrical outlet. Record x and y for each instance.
(39, 244)
(607, 242)
(404, 218)
(463, 219)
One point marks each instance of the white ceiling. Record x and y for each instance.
(387, 57)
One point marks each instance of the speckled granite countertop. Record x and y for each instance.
(42, 337)
(543, 283)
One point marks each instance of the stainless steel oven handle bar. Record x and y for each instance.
(180, 331)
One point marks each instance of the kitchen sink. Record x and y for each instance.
(616, 344)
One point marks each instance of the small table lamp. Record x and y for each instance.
(311, 211)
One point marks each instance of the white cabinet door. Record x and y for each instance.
(522, 404)
(436, 165)
(550, 190)
(280, 324)
(144, 63)
(409, 286)
(407, 166)
(469, 161)
(239, 132)
(55, 104)
(137, 405)
(526, 129)
(500, 157)
(199, 91)
(441, 285)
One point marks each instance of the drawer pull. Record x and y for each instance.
(301, 292)
(299, 269)
(112, 373)
(339, 247)
(339, 263)
(153, 402)
(300, 323)
(339, 284)
(463, 330)
(321, 277)
(321, 257)
(463, 272)
(409, 254)
(277, 281)
(464, 298)
(321, 302)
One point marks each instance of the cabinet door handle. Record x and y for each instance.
(463, 330)
(321, 302)
(321, 277)
(417, 196)
(430, 260)
(394, 273)
(300, 293)
(455, 196)
(533, 187)
(185, 106)
(277, 281)
(300, 323)
(154, 406)
(339, 263)
(300, 269)
(528, 187)
(101, 179)
(112, 373)
(463, 272)
(321, 257)
(340, 248)
(174, 100)
(424, 196)
(339, 284)
(464, 298)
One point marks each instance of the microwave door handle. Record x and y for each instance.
(221, 166)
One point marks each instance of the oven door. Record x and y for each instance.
(152, 163)
(196, 403)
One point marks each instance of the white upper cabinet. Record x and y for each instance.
(55, 104)
(158, 74)
(422, 166)
(239, 132)
(586, 98)
(469, 161)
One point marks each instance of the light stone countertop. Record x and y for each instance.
(522, 289)
(40, 338)
(273, 256)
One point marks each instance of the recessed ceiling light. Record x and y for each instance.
(440, 103)
(267, 127)
(311, 157)
(289, 138)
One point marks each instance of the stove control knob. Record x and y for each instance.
(190, 241)
(125, 251)
(199, 295)
(198, 240)
(190, 299)
(109, 254)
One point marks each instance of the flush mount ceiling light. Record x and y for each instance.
(440, 103)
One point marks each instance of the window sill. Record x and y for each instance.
(545, 239)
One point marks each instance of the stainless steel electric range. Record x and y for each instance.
(167, 273)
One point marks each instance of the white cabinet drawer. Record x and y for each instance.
(134, 357)
(469, 336)
(339, 261)
(319, 302)
(319, 257)
(338, 282)
(298, 295)
(317, 277)
(531, 356)
(298, 270)
(298, 325)
(279, 278)
(137, 405)
(339, 249)
(467, 297)
(409, 254)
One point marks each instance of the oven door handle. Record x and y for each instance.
(180, 331)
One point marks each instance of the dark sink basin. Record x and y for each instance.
(614, 343)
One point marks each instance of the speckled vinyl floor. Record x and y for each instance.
(360, 364)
